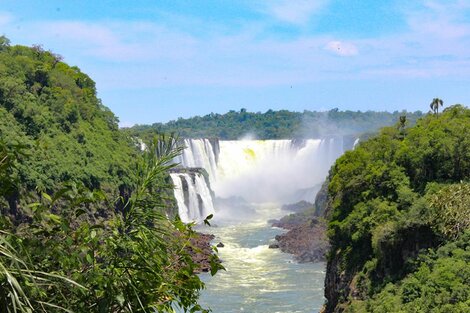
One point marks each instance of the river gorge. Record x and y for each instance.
(244, 184)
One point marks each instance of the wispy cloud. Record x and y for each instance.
(341, 48)
(92, 38)
(297, 12)
(5, 18)
(154, 54)
(443, 19)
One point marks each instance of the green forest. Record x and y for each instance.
(88, 221)
(399, 220)
(276, 124)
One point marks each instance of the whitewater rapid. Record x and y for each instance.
(259, 279)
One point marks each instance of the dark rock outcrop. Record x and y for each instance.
(192, 172)
(322, 207)
(201, 251)
(300, 206)
(306, 240)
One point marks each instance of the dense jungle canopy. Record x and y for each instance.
(399, 219)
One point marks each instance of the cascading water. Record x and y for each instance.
(192, 196)
(280, 171)
(201, 153)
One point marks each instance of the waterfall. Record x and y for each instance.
(193, 196)
(201, 153)
(282, 171)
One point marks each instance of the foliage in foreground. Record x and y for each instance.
(440, 284)
(135, 261)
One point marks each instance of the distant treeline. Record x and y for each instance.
(281, 124)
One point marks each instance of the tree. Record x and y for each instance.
(436, 102)
(402, 125)
(4, 42)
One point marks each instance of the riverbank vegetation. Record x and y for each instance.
(399, 219)
(88, 220)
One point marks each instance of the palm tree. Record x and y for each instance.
(436, 102)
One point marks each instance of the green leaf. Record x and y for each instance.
(89, 258)
(55, 218)
(79, 212)
(46, 196)
(206, 220)
(120, 299)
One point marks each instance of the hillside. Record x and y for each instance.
(399, 208)
(84, 223)
(277, 124)
(51, 108)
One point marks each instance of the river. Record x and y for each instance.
(259, 279)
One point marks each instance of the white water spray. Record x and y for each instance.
(280, 171)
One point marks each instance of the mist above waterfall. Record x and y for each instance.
(279, 171)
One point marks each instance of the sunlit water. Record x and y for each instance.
(259, 279)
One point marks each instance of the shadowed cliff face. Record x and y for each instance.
(343, 284)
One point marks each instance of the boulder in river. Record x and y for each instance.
(201, 251)
(306, 238)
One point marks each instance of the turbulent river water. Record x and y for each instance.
(259, 279)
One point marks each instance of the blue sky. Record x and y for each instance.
(157, 60)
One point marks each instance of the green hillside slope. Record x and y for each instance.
(399, 220)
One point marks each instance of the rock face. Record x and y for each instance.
(300, 206)
(322, 207)
(306, 239)
(201, 251)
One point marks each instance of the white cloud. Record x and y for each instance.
(341, 48)
(444, 20)
(5, 18)
(296, 12)
(93, 39)
(125, 124)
